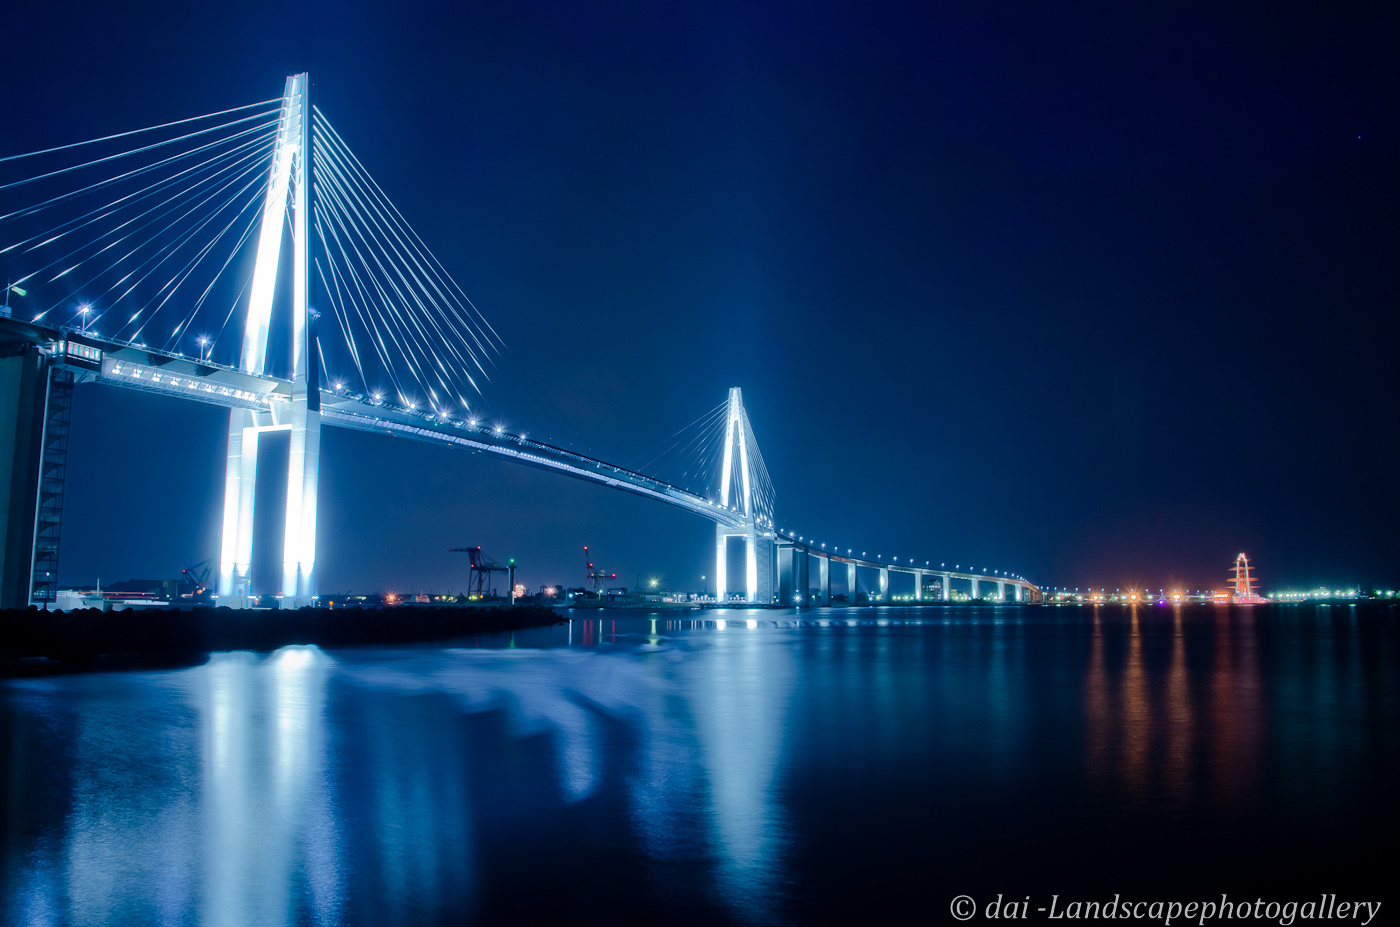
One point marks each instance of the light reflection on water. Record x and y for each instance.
(741, 766)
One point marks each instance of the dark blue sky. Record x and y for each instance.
(1100, 296)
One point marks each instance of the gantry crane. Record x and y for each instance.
(595, 576)
(198, 581)
(482, 566)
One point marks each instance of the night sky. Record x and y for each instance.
(1100, 295)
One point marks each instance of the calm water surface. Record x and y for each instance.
(740, 767)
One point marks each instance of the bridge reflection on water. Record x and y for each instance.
(747, 766)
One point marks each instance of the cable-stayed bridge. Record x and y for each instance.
(249, 260)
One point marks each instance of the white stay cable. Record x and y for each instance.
(155, 212)
(424, 250)
(168, 248)
(393, 292)
(77, 167)
(108, 138)
(248, 149)
(361, 270)
(410, 286)
(389, 221)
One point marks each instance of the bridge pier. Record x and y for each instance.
(884, 584)
(240, 476)
(851, 584)
(299, 525)
(721, 564)
(1018, 588)
(804, 582)
(299, 530)
(793, 574)
(787, 574)
(947, 587)
(1001, 590)
(764, 556)
(918, 585)
(823, 580)
(750, 567)
(975, 595)
(34, 414)
(758, 564)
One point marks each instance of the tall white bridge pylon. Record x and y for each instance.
(755, 525)
(301, 416)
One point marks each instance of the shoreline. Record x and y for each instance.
(45, 643)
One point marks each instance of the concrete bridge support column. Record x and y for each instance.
(1001, 590)
(851, 584)
(721, 564)
(767, 567)
(918, 585)
(299, 530)
(240, 476)
(24, 383)
(975, 595)
(804, 583)
(824, 581)
(1019, 589)
(791, 574)
(299, 527)
(750, 566)
(884, 584)
(947, 587)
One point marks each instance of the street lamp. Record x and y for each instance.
(203, 347)
(11, 288)
(84, 311)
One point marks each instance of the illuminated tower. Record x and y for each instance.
(1244, 583)
(743, 496)
(288, 180)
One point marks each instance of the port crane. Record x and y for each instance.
(197, 580)
(482, 566)
(595, 575)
